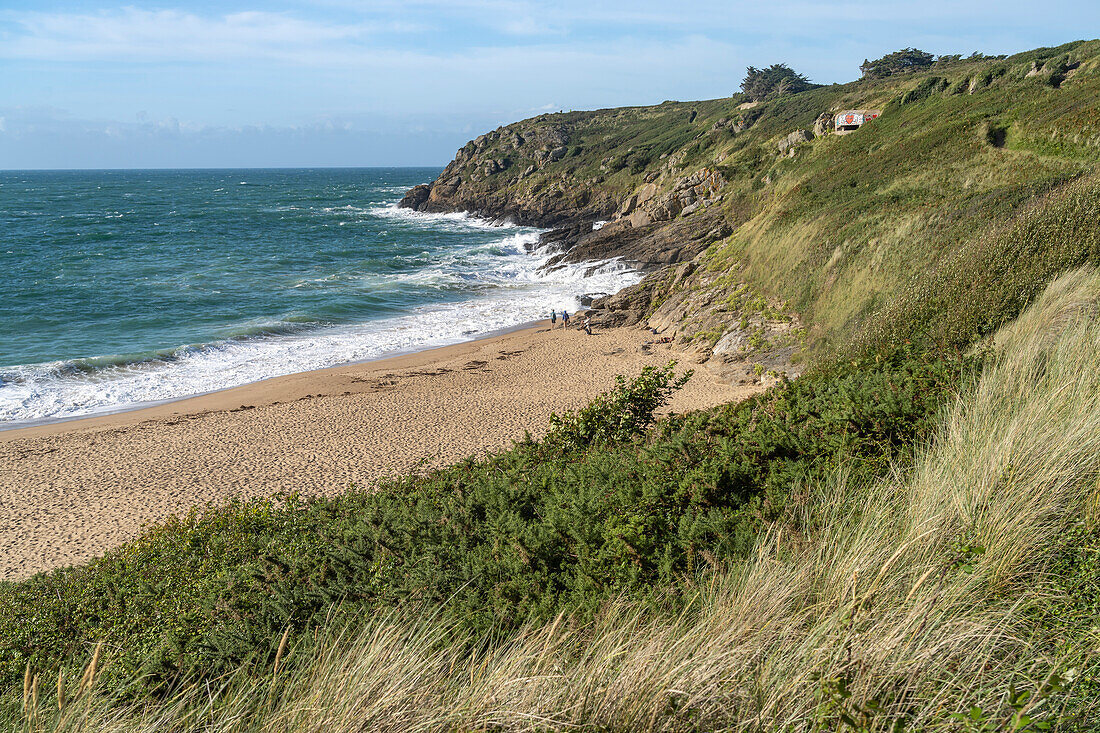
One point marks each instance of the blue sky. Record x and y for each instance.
(406, 82)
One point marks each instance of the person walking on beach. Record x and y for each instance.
(565, 319)
(588, 325)
(553, 318)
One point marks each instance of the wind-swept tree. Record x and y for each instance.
(773, 81)
(906, 59)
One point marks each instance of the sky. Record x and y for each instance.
(289, 83)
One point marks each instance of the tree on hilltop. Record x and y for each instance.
(774, 81)
(907, 59)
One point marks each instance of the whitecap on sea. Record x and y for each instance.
(505, 282)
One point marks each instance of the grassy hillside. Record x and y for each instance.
(964, 157)
(906, 535)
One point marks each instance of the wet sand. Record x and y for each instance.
(70, 491)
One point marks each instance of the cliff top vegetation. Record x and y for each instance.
(835, 227)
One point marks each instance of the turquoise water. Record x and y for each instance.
(123, 288)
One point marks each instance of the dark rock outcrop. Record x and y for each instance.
(416, 197)
(646, 247)
(484, 174)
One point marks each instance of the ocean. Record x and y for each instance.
(121, 289)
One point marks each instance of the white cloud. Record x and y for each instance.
(382, 34)
(134, 34)
(661, 15)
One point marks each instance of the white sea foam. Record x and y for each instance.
(511, 285)
(457, 219)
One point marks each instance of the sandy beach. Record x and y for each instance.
(70, 491)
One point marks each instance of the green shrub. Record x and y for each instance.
(991, 279)
(926, 88)
(773, 81)
(592, 512)
(618, 415)
(907, 59)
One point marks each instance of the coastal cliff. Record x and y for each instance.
(776, 227)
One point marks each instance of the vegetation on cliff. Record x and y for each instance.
(964, 160)
(898, 62)
(772, 81)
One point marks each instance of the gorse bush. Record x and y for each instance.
(565, 523)
(621, 414)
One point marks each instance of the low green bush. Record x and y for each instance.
(1074, 580)
(621, 414)
(926, 88)
(990, 280)
(595, 510)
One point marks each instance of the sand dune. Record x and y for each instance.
(70, 491)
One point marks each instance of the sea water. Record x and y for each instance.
(125, 288)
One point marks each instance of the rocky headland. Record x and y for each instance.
(663, 227)
(775, 229)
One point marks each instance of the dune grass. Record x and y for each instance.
(920, 600)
